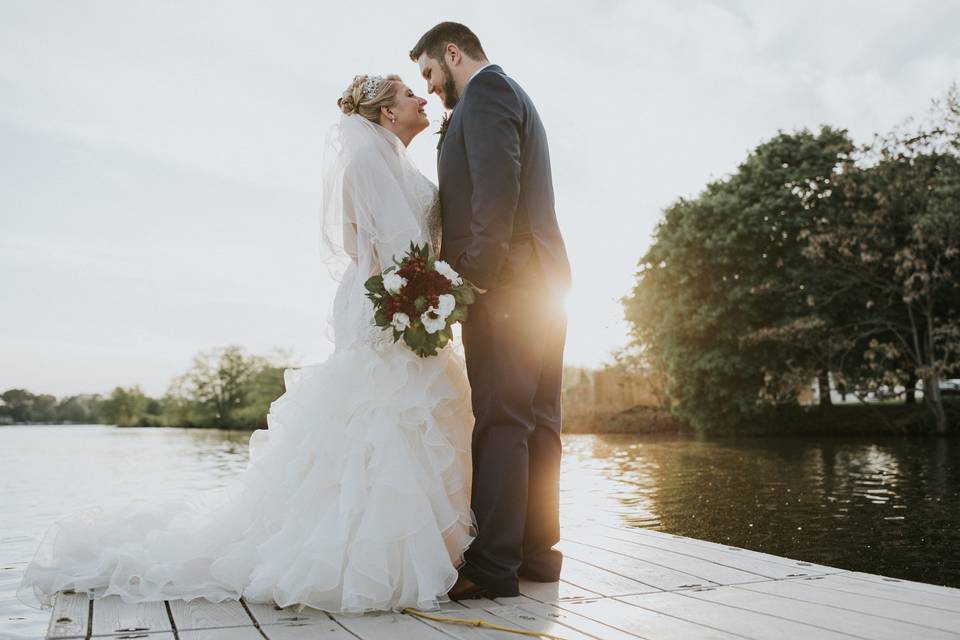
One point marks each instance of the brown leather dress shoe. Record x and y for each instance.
(466, 589)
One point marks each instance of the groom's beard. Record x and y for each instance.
(450, 95)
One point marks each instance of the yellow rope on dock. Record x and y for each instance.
(476, 622)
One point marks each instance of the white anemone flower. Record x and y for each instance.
(400, 321)
(445, 305)
(432, 321)
(393, 283)
(447, 272)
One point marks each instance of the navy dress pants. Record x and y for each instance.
(513, 340)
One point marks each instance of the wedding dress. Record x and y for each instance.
(356, 498)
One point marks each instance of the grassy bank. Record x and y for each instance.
(635, 420)
(846, 419)
(863, 419)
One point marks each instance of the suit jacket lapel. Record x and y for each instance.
(443, 137)
(493, 67)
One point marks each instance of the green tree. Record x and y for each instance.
(726, 265)
(896, 241)
(44, 409)
(124, 407)
(79, 409)
(18, 405)
(178, 409)
(266, 385)
(219, 384)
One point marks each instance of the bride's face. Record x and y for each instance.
(409, 111)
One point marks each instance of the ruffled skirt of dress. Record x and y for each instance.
(355, 499)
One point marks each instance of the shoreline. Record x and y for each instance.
(837, 420)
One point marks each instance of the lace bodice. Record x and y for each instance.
(431, 215)
(434, 222)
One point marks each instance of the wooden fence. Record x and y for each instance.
(593, 391)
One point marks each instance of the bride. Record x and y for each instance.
(356, 498)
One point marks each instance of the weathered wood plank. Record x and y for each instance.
(550, 619)
(453, 605)
(229, 633)
(265, 614)
(111, 615)
(733, 620)
(809, 567)
(462, 632)
(554, 591)
(513, 601)
(704, 570)
(906, 584)
(329, 630)
(740, 559)
(389, 626)
(812, 590)
(507, 612)
(818, 615)
(204, 614)
(652, 574)
(601, 581)
(895, 592)
(70, 614)
(478, 603)
(644, 623)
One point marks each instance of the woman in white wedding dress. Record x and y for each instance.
(356, 498)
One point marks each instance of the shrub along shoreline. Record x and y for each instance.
(837, 420)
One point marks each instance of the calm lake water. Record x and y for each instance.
(888, 505)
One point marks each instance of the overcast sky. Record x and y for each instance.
(160, 161)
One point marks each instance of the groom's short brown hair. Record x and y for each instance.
(434, 41)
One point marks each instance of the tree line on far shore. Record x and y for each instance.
(224, 388)
(817, 260)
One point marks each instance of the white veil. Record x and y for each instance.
(375, 204)
(374, 200)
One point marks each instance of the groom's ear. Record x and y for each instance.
(452, 54)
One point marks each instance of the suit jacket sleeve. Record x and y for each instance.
(492, 123)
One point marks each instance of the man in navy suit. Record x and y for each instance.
(500, 232)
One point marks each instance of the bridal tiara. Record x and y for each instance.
(372, 86)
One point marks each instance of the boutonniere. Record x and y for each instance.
(444, 123)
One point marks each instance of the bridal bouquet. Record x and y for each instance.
(419, 299)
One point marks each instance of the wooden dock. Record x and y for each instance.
(617, 584)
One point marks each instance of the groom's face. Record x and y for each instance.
(439, 80)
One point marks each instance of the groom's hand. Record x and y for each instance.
(458, 266)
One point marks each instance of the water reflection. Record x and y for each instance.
(888, 506)
(607, 481)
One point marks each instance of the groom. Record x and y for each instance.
(500, 231)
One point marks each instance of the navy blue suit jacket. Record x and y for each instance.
(496, 188)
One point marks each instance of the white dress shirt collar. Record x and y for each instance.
(489, 64)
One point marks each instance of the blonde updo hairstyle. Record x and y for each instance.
(353, 99)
